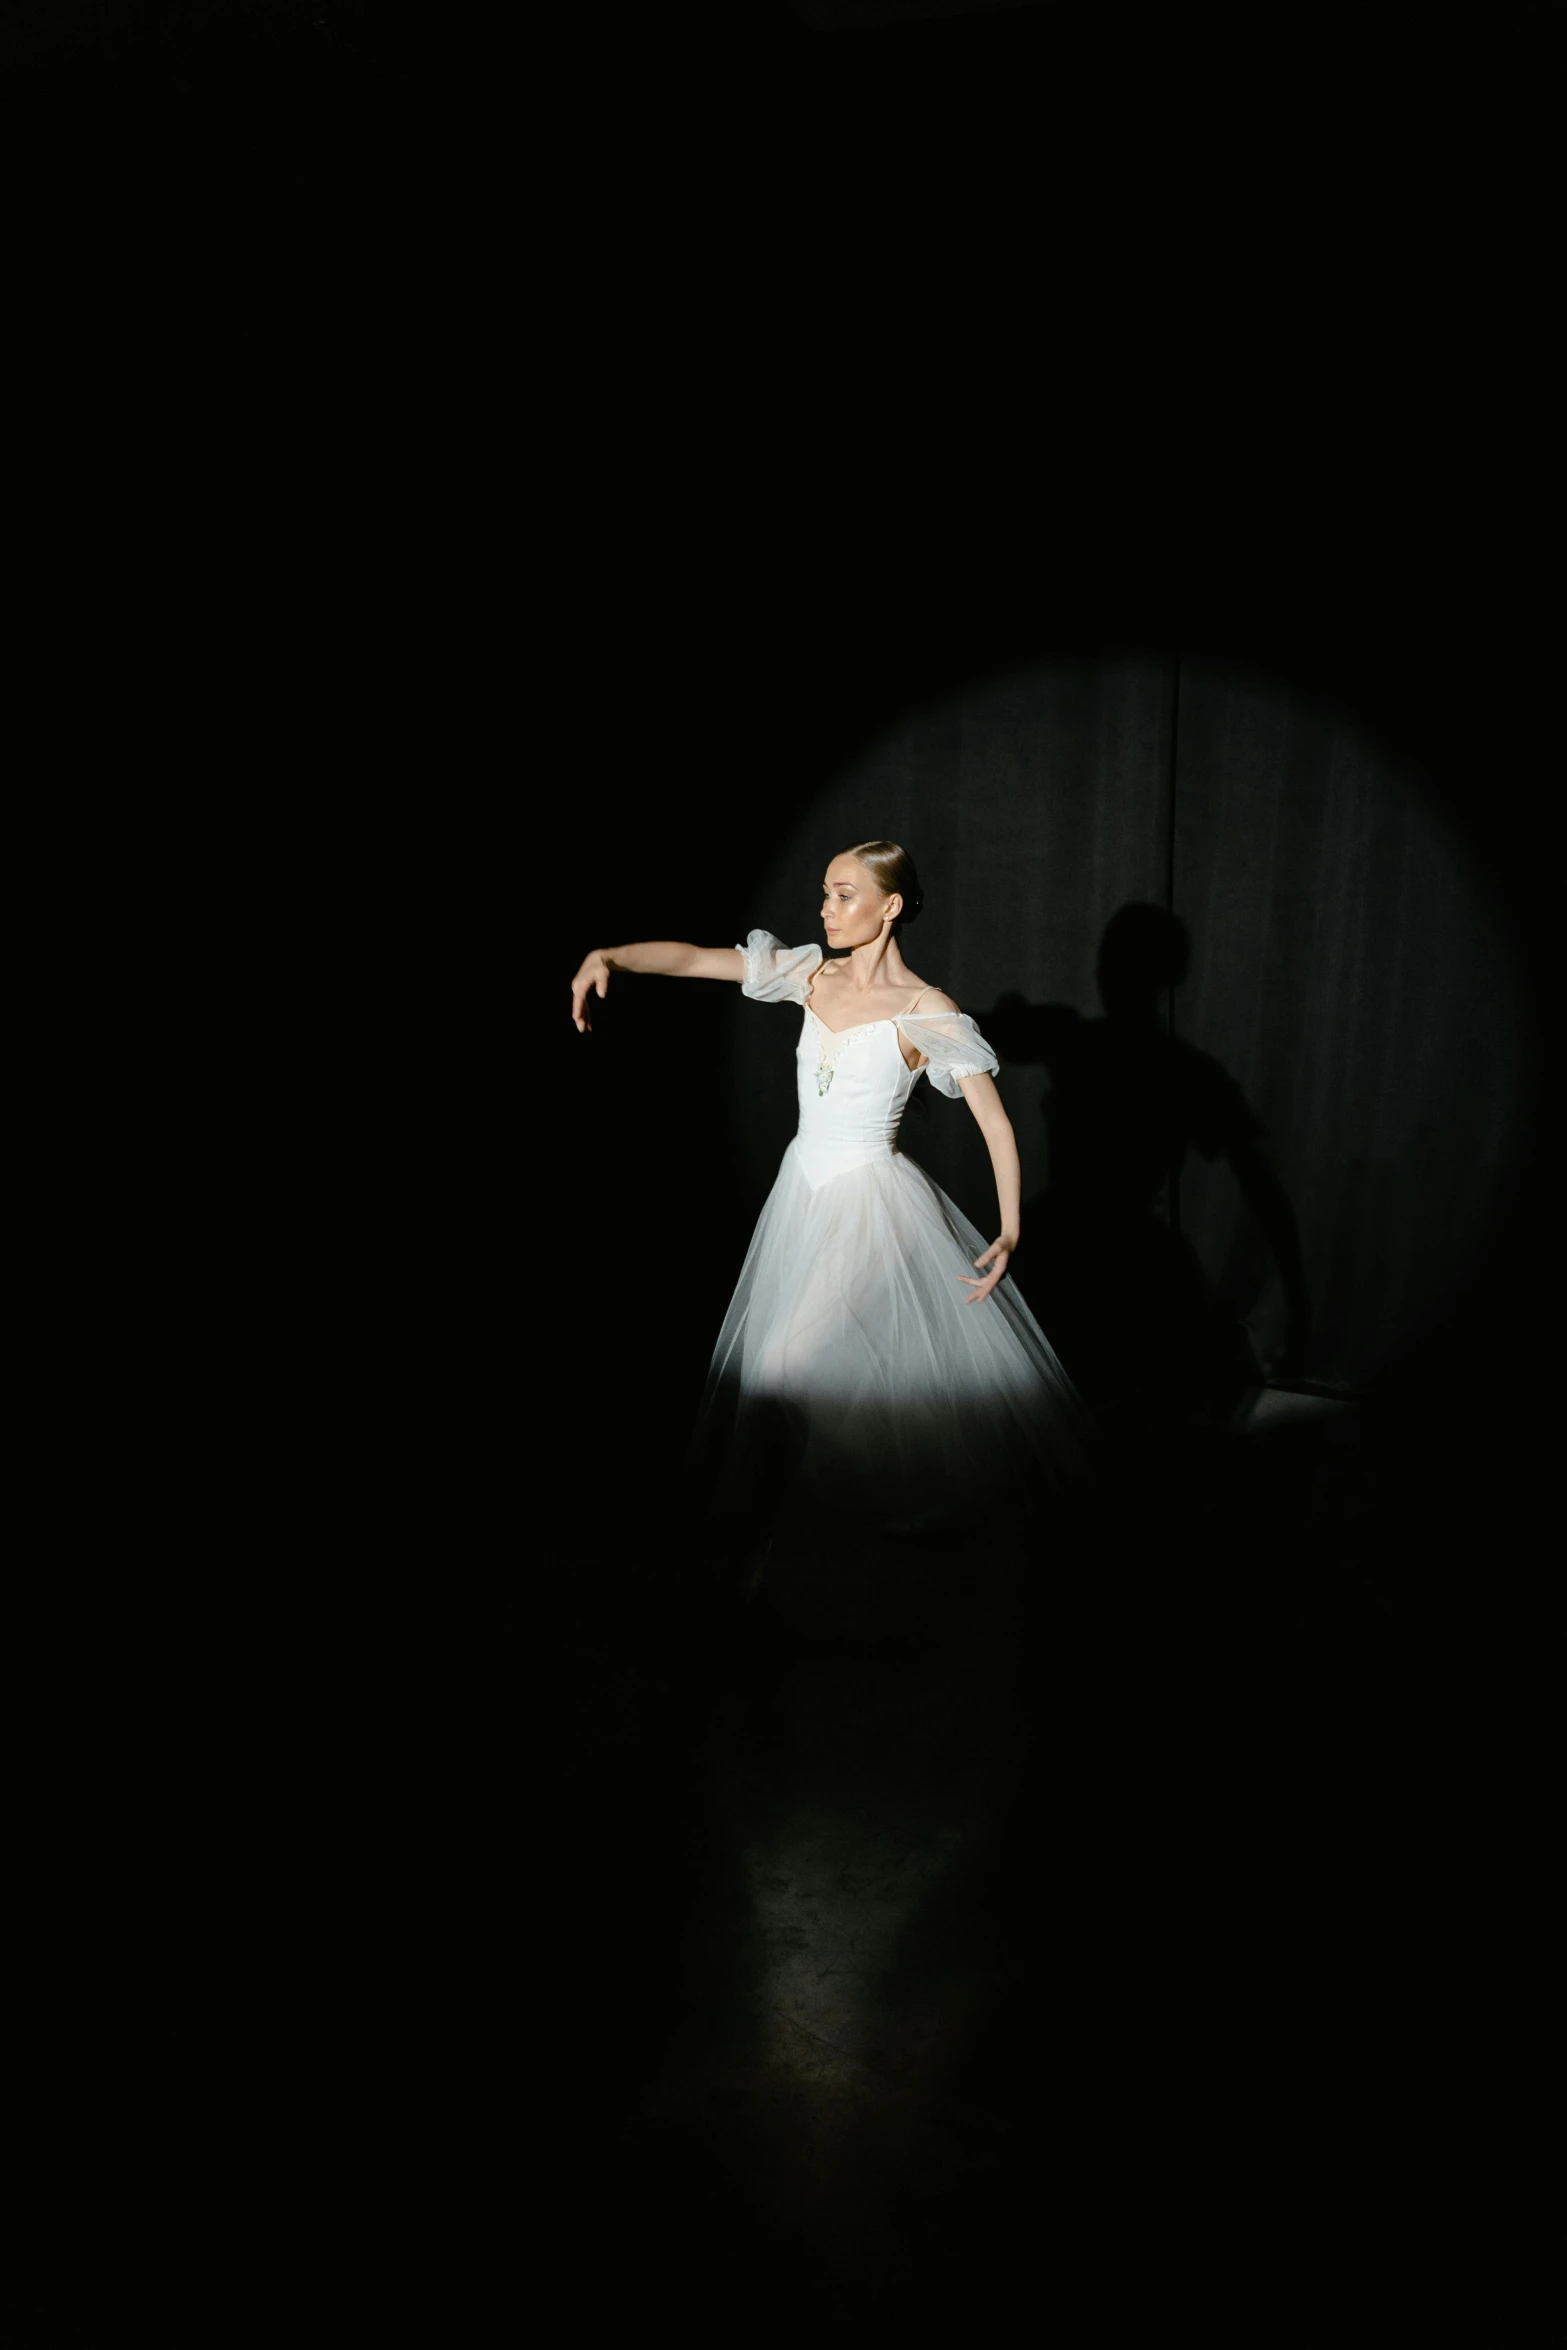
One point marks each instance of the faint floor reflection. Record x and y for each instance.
(855, 1781)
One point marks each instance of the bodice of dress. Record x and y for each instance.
(854, 1083)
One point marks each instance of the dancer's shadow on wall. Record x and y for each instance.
(1119, 1291)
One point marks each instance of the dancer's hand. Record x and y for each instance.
(592, 979)
(996, 1257)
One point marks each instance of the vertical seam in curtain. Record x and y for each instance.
(1169, 907)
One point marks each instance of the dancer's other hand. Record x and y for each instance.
(996, 1257)
(592, 979)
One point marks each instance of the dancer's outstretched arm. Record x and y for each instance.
(994, 1124)
(671, 956)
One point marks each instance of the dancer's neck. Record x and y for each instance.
(877, 964)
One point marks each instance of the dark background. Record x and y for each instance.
(485, 488)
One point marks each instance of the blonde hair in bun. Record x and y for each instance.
(892, 869)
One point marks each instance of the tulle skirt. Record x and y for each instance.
(853, 1369)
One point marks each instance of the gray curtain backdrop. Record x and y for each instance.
(1349, 968)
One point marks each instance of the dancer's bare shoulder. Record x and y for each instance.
(834, 995)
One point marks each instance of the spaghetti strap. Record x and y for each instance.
(908, 1008)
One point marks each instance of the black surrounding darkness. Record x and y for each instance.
(485, 493)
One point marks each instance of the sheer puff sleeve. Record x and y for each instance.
(953, 1048)
(774, 973)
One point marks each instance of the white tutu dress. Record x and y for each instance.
(851, 1363)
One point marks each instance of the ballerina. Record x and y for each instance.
(874, 1350)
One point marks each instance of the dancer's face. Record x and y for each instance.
(854, 905)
